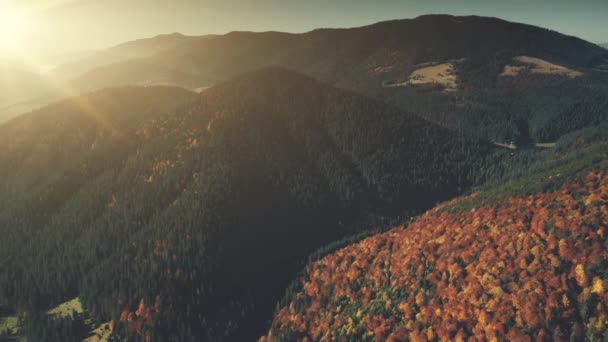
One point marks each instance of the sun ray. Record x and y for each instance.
(15, 24)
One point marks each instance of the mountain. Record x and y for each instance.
(27, 89)
(605, 45)
(187, 215)
(172, 214)
(22, 88)
(500, 80)
(121, 53)
(528, 263)
(359, 53)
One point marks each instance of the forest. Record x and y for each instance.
(531, 267)
(291, 195)
(186, 205)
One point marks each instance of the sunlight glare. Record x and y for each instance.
(15, 27)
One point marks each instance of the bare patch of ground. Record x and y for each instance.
(512, 70)
(67, 309)
(538, 66)
(10, 325)
(443, 75)
(101, 333)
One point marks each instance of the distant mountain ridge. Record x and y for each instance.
(120, 53)
(366, 59)
(397, 42)
(462, 66)
(34, 88)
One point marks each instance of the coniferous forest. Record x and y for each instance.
(303, 187)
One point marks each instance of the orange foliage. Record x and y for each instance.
(519, 270)
(140, 322)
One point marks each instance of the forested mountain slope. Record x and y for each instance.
(489, 266)
(485, 76)
(197, 211)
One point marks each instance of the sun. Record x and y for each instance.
(14, 28)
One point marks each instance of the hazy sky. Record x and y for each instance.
(54, 26)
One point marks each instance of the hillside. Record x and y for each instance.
(179, 207)
(452, 70)
(120, 53)
(522, 268)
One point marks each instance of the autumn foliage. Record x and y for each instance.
(141, 321)
(529, 268)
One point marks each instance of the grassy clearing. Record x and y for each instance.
(100, 333)
(538, 66)
(9, 325)
(442, 74)
(67, 309)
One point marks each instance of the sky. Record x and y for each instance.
(46, 27)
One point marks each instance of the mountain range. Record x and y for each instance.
(482, 76)
(120, 53)
(25, 87)
(460, 64)
(176, 186)
(397, 47)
